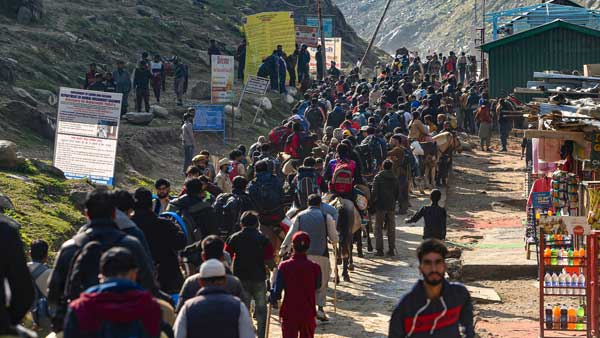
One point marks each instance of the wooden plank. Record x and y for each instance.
(542, 75)
(484, 295)
(576, 136)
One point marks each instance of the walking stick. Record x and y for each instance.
(335, 280)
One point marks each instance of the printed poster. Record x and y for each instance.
(264, 31)
(333, 48)
(221, 79)
(307, 35)
(87, 130)
(313, 21)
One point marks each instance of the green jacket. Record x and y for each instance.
(385, 191)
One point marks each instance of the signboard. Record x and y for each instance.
(87, 129)
(256, 85)
(307, 35)
(209, 117)
(313, 21)
(333, 48)
(541, 200)
(595, 154)
(264, 31)
(221, 79)
(573, 225)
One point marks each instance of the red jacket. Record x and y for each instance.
(300, 277)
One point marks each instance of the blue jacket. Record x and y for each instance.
(417, 316)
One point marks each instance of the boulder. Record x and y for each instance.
(236, 112)
(46, 96)
(8, 71)
(8, 154)
(159, 111)
(266, 103)
(78, 198)
(201, 91)
(25, 96)
(47, 168)
(5, 203)
(139, 118)
(10, 221)
(454, 268)
(23, 114)
(289, 99)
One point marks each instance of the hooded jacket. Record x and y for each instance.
(417, 316)
(117, 301)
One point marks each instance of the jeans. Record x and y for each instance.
(125, 103)
(386, 216)
(257, 291)
(188, 154)
(504, 130)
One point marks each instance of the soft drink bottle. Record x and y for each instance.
(576, 260)
(556, 317)
(561, 283)
(555, 283)
(549, 316)
(568, 284)
(564, 317)
(554, 256)
(559, 257)
(570, 256)
(581, 284)
(582, 256)
(548, 283)
(572, 318)
(580, 317)
(547, 256)
(565, 257)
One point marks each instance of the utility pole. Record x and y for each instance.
(322, 33)
(362, 61)
(483, 67)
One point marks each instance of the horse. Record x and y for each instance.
(447, 143)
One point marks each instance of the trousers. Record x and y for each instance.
(293, 329)
(325, 272)
(386, 216)
(142, 94)
(257, 291)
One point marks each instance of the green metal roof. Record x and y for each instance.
(537, 30)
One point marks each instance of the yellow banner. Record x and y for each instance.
(264, 31)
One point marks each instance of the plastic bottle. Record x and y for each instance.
(581, 284)
(549, 316)
(547, 256)
(570, 256)
(580, 317)
(582, 256)
(571, 318)
(565, 257)
(561, 283)
(556, 317)
(548, 283)
(555, 283)
(564, 317)
(568, 284)
(576, 260)
(559, 257)
(553, 256)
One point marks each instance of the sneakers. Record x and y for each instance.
(322, 316)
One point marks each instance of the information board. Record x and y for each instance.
(313, 21)
(256, 85)
(334, 53)
(264, 31)
(209, 117)
(541, 200)
(87, 130)
(307, 35)
(221, 79)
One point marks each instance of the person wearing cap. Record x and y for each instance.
(213, 312)
(212, 248)
(141, 85)
(321, 227)
(187, 138)
(95, 312)
(222, 179)
(122, 79)
(300, 278)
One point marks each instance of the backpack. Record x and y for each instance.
(377, 148)
(365, 156)
(39, 309)
(267, 195)
(343, 176)
(133, 329)
(278, 136)
(392, 121)
(360, 119)
(85, 265)
(314, 116)
(234, 169)
(228, 210)
(306, 185)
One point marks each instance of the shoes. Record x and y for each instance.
(379, 253)
(322, 316)
(503, 150)
(390, 253)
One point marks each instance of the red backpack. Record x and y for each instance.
(343, 176)
(278, 136)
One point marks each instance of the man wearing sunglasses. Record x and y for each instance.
(434, 308)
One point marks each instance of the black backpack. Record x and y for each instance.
(365, 158)
(85, 265)
(314, 117)
(306, 185)
(267, 195)
(392, 121)
(228, 209)
(377, 149)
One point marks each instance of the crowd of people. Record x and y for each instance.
(256, 230)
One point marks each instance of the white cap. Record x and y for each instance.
(212, 268)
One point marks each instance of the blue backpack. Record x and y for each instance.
(39, 310)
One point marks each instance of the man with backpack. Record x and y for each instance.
(266, 191)
(393, 120)
(165, 239)
(336, 116)
(341, 173)
(321, 227)
(195, 210)
(252, 255)
(229, 207)
(117, 306)
(306, 183)
(76, 265)
(384, 195)
(377, 150)
(163, 196)
(40, 272)
(316, 117)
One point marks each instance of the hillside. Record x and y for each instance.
(433, 25)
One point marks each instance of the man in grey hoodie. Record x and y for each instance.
(122, 79)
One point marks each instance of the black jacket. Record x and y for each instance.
(386, 190)
(141, 78)
(198, 215)
(435, 221)
(97, 228)
(165, 239)
(13, 267)
(417, 316)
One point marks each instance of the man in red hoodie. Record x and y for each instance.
(300, 278)
(117, 306)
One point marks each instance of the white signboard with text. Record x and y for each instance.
(87, 129)
(333, 47)
(221, 79)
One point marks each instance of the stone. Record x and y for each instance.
(139, 118)
(24, 15)
(201, 91)
(71, 36)
(159, 111)
(5, 203)
(10, 221)
(292, 91)
(289, 99)
(78, 198)
(25, 96)
(454, 268)
(46, 95)
(47, 168)
(23, 114)
(483, 295)
(264, 103)
(8, 70)
(236, 111)
(8, 154)
(454, 252)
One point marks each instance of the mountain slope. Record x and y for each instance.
(436, 25)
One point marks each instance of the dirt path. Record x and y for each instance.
(486, 191)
